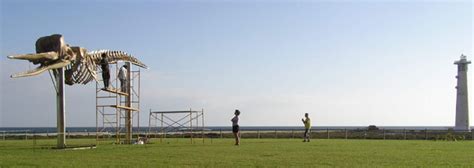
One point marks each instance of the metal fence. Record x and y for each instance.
(28, 135)
(382, 134)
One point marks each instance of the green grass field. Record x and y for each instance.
(252, 153)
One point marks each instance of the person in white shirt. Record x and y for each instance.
(123, 78)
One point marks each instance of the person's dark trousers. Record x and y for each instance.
(106, 78)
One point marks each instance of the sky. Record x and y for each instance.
(345, 62)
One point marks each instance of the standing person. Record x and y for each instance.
(123, 78)
(307, 127)
(235, 127)
(104, 64)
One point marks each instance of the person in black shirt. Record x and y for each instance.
(235, 127)
(104, 64)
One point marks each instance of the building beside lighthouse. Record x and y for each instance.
(462, 103)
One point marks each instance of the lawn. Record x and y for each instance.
(252, 153)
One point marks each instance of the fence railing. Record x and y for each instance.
(382, 134)
(28, 135)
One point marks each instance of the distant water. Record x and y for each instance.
(228, 128)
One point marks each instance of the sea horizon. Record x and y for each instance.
(227, 128)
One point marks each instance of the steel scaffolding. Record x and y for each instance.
(117, 110)
(175, 122)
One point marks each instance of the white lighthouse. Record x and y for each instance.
(462, 103)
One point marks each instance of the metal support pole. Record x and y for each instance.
(96, 113)
(191, 124)
(34, 140)
(162, 130)
(404, 134)
(61, 115)
(426, 134)
(138, 124)
(258, 134)
(118, 112)
(149, 125)
(327, 131)
(384, 134)
(138, 97)
(202, 129)
(26, 135)
(345, 134)
(128, 103)
(155, 133)
(197, 120)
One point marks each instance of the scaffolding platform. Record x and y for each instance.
(113, 90)
(126, 108)
(120, 107)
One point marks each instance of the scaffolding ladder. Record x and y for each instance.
(117, 110)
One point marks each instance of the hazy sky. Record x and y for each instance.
(347, 63)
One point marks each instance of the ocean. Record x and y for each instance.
(226, 128)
